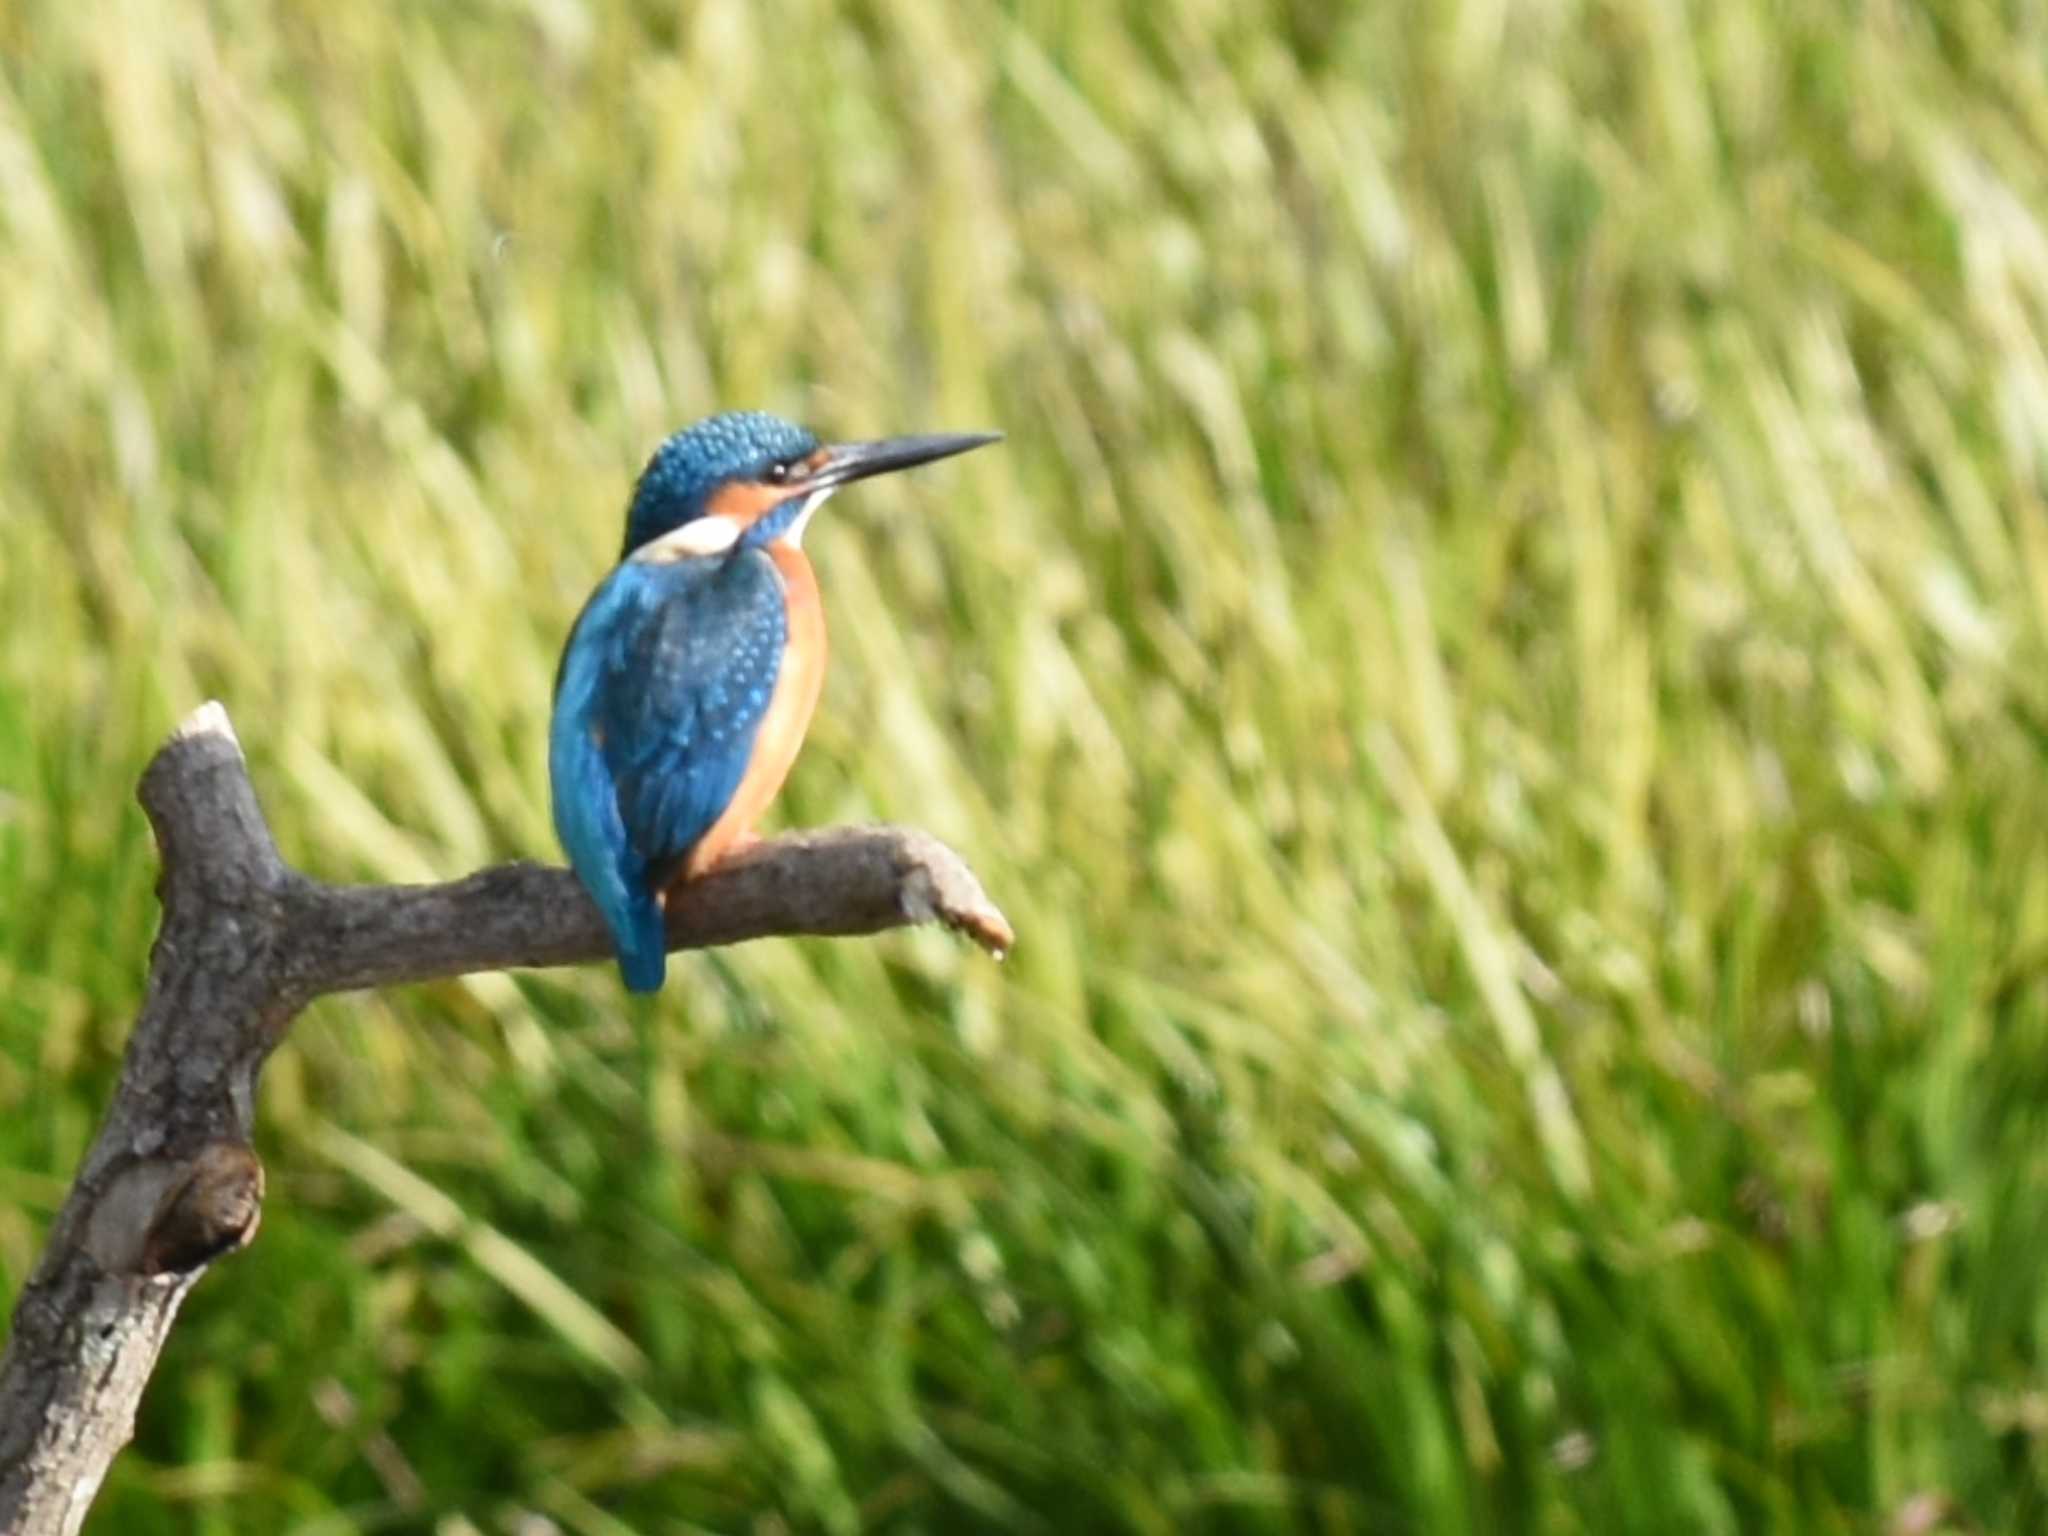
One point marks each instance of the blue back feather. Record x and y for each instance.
(660, 696)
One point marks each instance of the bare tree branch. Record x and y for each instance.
(172, 1182)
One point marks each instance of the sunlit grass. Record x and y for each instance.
(1499, 673)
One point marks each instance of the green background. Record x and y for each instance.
(1499, 674)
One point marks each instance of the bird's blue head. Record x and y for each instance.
(682, 482)
(760, 474)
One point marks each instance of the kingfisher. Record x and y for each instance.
(692, 672)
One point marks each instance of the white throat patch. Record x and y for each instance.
(793, 535)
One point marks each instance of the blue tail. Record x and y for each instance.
(643, 944)
(586, 808)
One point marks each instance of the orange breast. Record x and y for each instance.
(797, 686)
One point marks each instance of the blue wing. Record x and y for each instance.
(660, 695)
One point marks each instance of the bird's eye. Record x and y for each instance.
(779, 473)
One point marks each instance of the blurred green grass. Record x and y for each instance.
(1500, 674)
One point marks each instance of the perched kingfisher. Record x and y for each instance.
(691, 674)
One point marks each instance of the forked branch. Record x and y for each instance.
(172, 1182)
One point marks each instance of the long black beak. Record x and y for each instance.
(846, 462)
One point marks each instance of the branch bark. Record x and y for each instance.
(172, 1181)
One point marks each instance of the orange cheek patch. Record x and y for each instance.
(745, 501)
